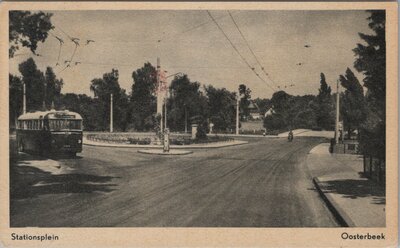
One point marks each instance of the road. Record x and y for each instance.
(264, 183)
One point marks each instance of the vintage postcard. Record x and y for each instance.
(246, 124)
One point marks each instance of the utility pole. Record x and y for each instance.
(165, 105)
(185, 119)
(111, 113)
(337, 113)
(24, 99)
(237, 113)
(45, 96)
(159, 98)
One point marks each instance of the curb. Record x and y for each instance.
(160, 152)
(342, 218)
(172, 146)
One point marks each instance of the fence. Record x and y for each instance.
(348, 147)
(375, 169)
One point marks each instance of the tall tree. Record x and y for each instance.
(245, 96)
(103, 88)
(323, 106)
(15, 98)
(27, 29)
(143, 98)
(352, 107)
(186, 100)
(371, 61)
(221, 103)
(53, 87)
(34, 82)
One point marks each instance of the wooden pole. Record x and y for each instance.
(111, 113)
(237, 114)
(337, 113)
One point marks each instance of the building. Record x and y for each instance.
(254, 111)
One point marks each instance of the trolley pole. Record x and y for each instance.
(111, 113)
(237, 113)
(337, 113)
(24, 99)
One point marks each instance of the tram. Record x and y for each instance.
(50, 132)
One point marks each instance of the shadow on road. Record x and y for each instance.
(28, 181)
(351, 188)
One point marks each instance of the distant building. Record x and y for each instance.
(269, 112)
(254, 111)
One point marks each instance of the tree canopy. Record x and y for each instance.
(27, 29)
(143, 98)
(352, 107)
(245, 96)
(186, 100)
(371, 61)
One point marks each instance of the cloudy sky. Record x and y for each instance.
(191, 43)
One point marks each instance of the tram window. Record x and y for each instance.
(65, 124)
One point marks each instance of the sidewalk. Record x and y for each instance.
(355, 201)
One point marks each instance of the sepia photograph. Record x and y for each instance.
(199, 118)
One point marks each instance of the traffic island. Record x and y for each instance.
(161, 152)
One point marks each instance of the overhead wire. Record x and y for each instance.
(237, 51)
(251, 50)
(59, 50)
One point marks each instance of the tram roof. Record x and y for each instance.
(48, 114)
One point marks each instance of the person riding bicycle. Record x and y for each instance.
(290, 135)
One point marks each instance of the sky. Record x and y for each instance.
(190, 42)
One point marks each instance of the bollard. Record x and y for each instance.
(166, 140)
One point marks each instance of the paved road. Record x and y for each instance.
(261, 184)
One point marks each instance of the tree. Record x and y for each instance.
(323, 106)
(290, 112)
(281, 118)
(102, 89)
(53, 88)
(87, 107)
(27, 29)
(264, 104)
(143, 98)
(185, 100)
(352, 107)
(371, 61)
(221, 105)
(15, 98)
(245, 96)
(34, 82)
